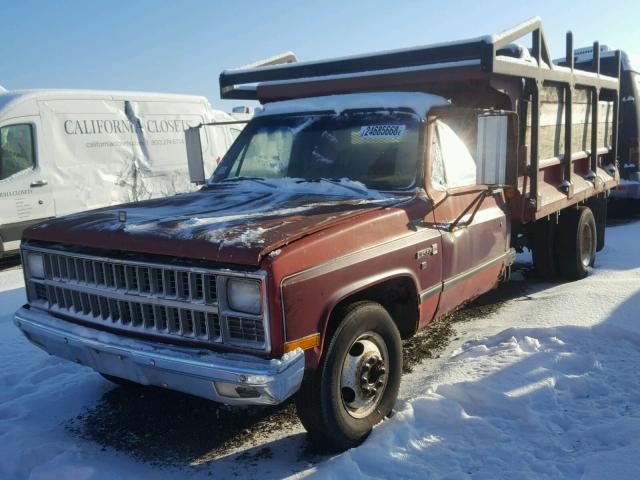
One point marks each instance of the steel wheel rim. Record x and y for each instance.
(364, 375)
(586, 245)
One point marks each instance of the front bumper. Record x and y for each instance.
(189, 370)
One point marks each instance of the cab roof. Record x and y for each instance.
(419, 102)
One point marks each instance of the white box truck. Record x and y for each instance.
(66, 151)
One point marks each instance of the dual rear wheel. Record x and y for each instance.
(568, 248)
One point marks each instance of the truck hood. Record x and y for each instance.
(230, 222)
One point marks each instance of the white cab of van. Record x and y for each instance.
(65, 151)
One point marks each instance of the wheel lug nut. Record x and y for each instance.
(379, 383)
(382, 370)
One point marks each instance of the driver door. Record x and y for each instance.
(473, 225)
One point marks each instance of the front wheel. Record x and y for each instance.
(356, 384)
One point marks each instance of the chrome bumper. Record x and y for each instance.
(255, 381)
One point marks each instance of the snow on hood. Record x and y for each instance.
(419, 102)
(232, 221)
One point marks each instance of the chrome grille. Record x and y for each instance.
(187, 322)
(171, 282)
(157, 299)
(246, 329)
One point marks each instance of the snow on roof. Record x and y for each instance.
(282, 58)
(10, 96)
(629, 61)
(419, 102)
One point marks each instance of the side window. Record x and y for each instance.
(438, 178)
(452, 163)
(16, 149)
(234, 133)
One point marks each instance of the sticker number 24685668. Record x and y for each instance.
(382, 131)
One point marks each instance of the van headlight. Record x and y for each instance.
(35, 265)
(244, 295)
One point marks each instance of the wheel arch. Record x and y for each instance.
(396, 291)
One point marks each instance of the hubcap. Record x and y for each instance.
(586, 245)
(364, 375)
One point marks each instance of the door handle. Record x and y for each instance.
(38, 183)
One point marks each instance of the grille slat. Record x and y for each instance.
(211, 288)
(186, 322)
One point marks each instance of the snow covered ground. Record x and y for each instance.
(546, 386)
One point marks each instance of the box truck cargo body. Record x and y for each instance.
(63, 152)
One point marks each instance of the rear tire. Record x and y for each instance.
(544, 255)
(356, 384)
(598, 206)
(577, 240)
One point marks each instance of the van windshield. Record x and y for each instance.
(378, 148)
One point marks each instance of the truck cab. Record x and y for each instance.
(356, 207)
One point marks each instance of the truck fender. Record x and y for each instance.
(355, 287)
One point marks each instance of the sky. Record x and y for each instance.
(181, 47)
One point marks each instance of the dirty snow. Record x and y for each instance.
(547, 386)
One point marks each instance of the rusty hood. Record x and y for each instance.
(229, 222)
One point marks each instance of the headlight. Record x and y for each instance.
(35, 265)
(244, 295)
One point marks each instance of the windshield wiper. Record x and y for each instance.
(259, 180)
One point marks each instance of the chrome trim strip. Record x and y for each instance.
(462, 276)
(260, 274)
(437, 288)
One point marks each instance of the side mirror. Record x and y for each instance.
(194, 155)
(491, 155)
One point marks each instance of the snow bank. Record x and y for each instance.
(545, 387)
(554, 396)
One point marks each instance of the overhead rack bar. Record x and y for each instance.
(487, 54)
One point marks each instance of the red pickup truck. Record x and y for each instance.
(370, 196)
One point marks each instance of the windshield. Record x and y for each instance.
(379, 149)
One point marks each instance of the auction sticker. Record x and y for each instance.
(382, 131)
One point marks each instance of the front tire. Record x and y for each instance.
(356, 384)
